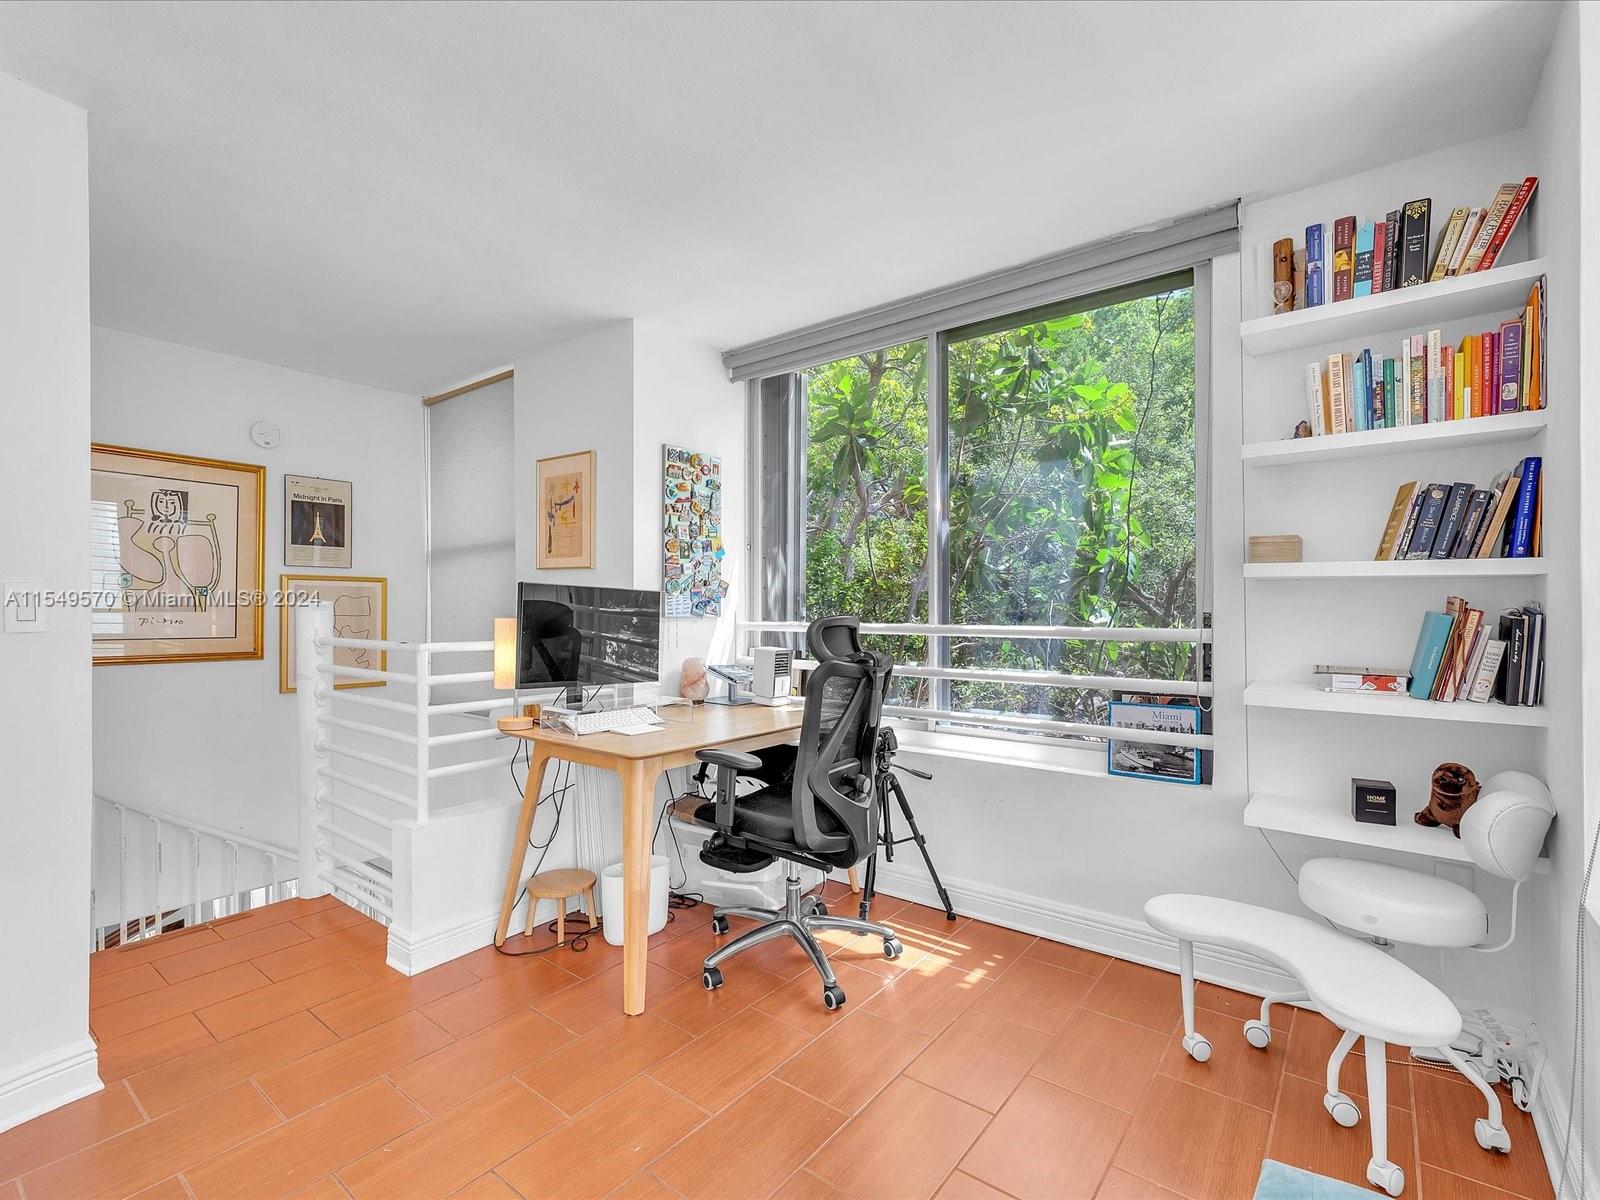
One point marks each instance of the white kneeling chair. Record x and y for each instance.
(1502, 834)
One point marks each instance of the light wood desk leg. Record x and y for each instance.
(519, 848)
(638, 790)
(855, 885)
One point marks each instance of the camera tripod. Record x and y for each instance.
(885, 750)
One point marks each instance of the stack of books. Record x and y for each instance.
(1498, 371)
(1389, 681)
(1460, 520)
(1458, 658)
(1348, 259)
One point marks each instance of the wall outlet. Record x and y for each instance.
(24, 607)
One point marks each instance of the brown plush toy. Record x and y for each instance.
(1455, 788)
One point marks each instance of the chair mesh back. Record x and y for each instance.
(835, 765)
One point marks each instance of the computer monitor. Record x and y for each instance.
(586, 637)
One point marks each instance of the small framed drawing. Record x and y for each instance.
(1152, 760)
(177, 547)
(316, 522)
(360, 610)
(565, 489)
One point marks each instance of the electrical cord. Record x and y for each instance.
(560, 786)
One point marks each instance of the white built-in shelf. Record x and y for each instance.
(1441, 435)
(1412, 309)
(1307, 697)
(1331, 821)
(1405, 568)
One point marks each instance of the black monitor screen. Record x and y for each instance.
(586, 635)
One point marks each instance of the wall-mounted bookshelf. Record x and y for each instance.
(1420, 307)
(1330, 820)
(1506, 429)
(1307, 697)
(1406, 568)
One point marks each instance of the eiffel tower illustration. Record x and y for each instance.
(317, 538)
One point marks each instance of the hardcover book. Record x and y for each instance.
(1509, 393)
(1363, 415)
(1522, 516)
(1472, 523)
(1429, 654)
(1508, 223)
(1419, 379)
(1499, 512)
(1380, 261)
(1398, 512)
(1483, 681)
(1314, 399)
(1447, 245)
(1344, 258)
(1434, 499)
(1391, 259)
(1364, 244)
(1336, 394)
(1436, 409)
(1404, 544)
(1491, 222)
(1315, 268)
(1469, 230)
(1414, 242)
(1455, 511)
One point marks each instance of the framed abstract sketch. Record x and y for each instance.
(316, 522)
(565, 489)
(360, 610)
(176, 551)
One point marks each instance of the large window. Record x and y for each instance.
(1041, 473)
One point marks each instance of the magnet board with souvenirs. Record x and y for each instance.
(692, 580)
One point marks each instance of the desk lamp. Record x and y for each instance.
(505, 674)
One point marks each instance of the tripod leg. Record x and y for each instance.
(922, 845)
(871, 884)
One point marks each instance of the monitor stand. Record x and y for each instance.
(732, 698)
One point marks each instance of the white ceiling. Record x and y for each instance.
(405, 194)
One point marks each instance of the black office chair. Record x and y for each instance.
(825, 817)
(827, 638)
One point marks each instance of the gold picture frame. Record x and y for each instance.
(177, 557)
(564, 524)
(368, 620)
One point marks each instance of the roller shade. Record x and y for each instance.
(1126, 258)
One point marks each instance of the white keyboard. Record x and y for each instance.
(612, 720)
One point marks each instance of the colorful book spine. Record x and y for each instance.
(1315, 267)
(1314, 399)
(1419, 379)
(1509, 392)
(1491, 222)
(1380, 261)
(1403, 544)
(1522, 516)
(1508, 223)
(1434, 498)
(1436, 410)
(1429, 654)
(1363, 412)
(1469, 230)
(1391, 266)
(1390, 417)
(1447, 244)
(1344, 258)
(1494, 651)
(1337, 394)
(1363, 265)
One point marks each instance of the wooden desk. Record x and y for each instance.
(639, 762)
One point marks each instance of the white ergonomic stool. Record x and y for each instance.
(1502, 834)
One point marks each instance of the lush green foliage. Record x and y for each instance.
(1071, 455)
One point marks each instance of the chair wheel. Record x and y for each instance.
(1342, 1109)
(1386, 1176)
(1491, 1138)
(1197, 1047)
(820, 909)
(719, 924)
(1258, 1034)
(892, 948)
(832, 997)
(711, 977)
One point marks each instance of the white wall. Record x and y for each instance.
(46, 1055)
(216, 741)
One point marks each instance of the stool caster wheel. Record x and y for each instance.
(719, 925)
(892, 948)
(1258, 1034)
(832, 997)
(1387, 1176)
(819, 909)
(1198, 1048)
(1491, 1138)
(711, 978)
(1342, 1109)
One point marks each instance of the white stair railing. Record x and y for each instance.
(348, 815)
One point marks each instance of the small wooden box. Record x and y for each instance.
(1275, 547)
(1372, 801)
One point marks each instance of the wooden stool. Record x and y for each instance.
(561, 886)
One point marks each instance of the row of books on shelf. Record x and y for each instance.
(1461, 520)
(1498, 371)
(1348, 259)
(1459, 658)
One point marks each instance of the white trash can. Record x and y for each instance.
(611, 898)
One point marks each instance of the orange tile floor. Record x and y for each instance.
(273, 1054)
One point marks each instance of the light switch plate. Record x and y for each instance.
(23, 611)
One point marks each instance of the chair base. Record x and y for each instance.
(800, 918)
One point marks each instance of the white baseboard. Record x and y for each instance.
(1550, 1112)
(47, 1082)
(412, 953)
(1106, 933)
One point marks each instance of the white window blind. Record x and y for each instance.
(472, 555)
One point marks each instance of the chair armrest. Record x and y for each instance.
(728, 763)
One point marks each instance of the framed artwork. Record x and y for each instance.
(691, 508)
(360, 610)
(1151, 760)
(177, 545)
(565, 489)
(316, 522)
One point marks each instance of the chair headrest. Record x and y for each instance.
(1504, 829)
